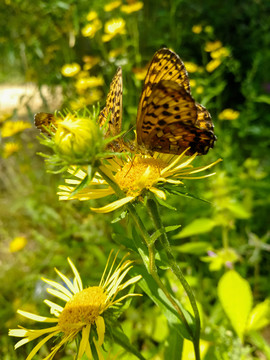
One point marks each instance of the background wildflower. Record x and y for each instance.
(114, 27)
(132, 7)
(83, 309)
(10, 148)
(197, 29)
(10, 127)
(17, 244)
(70, 70)
(229, 114)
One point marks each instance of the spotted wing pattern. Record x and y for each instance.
(169, 120)
(44, 121)
(112, 112)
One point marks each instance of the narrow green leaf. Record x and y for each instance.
(194, 248)
(259, 316)
(167, 229)
(236, 299)
(121, 339)
(173, 345)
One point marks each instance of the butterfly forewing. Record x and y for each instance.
(112, 112)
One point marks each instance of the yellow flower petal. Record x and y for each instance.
(114, 205)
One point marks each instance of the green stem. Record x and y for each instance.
(154, 213)
(151, 265)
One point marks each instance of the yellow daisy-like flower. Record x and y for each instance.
(17, 244)
(220, 53)
(114, 53)
(114, 27)
(132, 7)
(70, 70)
(13, 127)
(212, 45)
(212, 65)
(92, 15)
(4, 117)
(228, 114)
(112, 5)
(199, 89)
(90, 61)
(140, 73)
(89, 30)
(191, 67)
(89, 82)
(133, 176)
(197, 29)
(10, 148)
(83, 309)
(90, 98)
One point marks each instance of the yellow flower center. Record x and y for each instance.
(83, 309)
(139, 174)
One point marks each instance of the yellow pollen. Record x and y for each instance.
(83, 309)
(139, 174)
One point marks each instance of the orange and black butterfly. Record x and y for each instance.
(168, 119)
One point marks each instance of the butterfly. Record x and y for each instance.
(168, 118)
(44, 121)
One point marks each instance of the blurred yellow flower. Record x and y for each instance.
(89, 30)
(212, 65)
(114, 53)
(89, 82)
(10, 148)
(90, 61)
(220, 53)
(199, 89)
(114, 27)
(132, 7)
(191, 67)
(228, 114)
(133, 176)
(209, 29)
(192, 83)
(17, 244)
(140, 73)
(92, 15)
(76, 137)
(82, 101)
(83, 312)
(4, 117)
(13, 127)
(212, 45)
(112, 5)
(70, 70)
(197, 29)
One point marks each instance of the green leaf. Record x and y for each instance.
(120, 217)
(167, 229)
(262, 98)
(194, 248)
(238, 210)
(121, 339)
(198, 226)
(150, 287)
(173, 345)
(259, 316)
(236, 299)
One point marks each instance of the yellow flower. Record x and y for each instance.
(70, 70)
(114, 27)
(132, 7)
(220, 53)
(82, 312)
(17, 244)
(209, 29)
(89, 82)
(91, 98)
(213, 64)
(112, 5)
(191, 67)
(89, 30)
(228, 114)
(90, 61)
(76, 136)
(133, 176)
(4, 117)
(92, 15)
(199, 89)
(140, 73)
(10, 148)
(197, 29)
(13, 127)
(212, 45)
(192, 82)
(114, 53)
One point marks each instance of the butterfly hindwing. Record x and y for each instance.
(44, 121)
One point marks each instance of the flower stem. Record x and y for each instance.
(154, 213)
(150, 265)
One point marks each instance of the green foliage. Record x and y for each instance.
(228, 230)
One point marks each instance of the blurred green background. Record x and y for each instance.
(63, 54)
